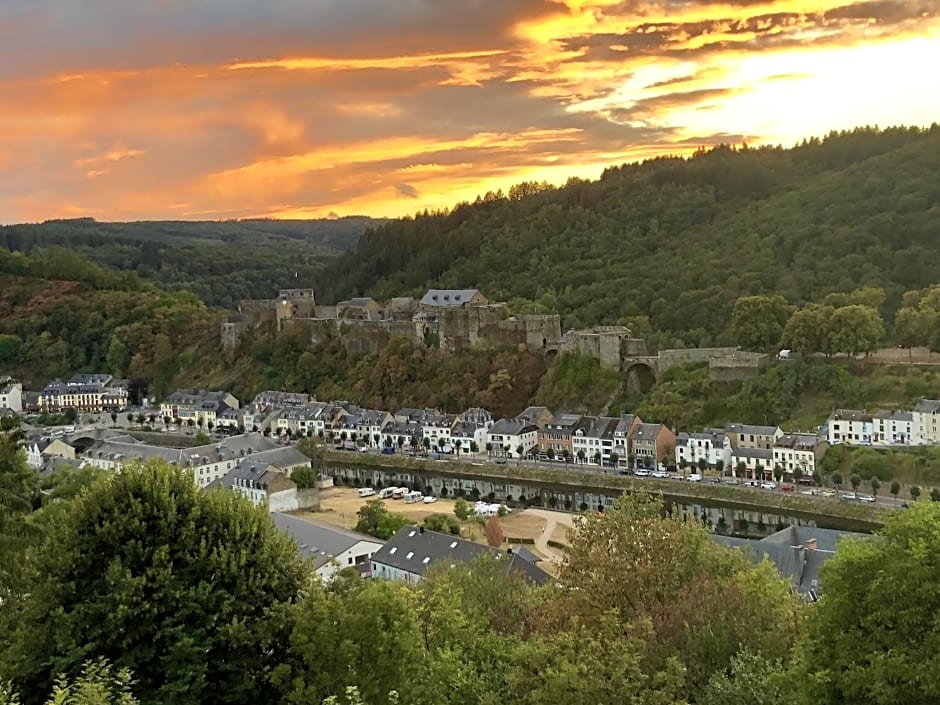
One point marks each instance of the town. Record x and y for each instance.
(755, 455)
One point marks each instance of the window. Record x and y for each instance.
(427, 559)
(453, 544)
(409, 555)
(393, 550)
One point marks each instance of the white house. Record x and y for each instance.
(851, 427)
(798, 452)
(197, 405)
(752, 463)
(893, 428)
(926, 420)
(593, 439)
(507, 435)
(711, 445)
(11, 395)
(265, 486)
(329, 548)
(437, 430)
(39, 451)
(468, 433)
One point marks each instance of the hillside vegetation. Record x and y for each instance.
(669, 245)
(221, 262)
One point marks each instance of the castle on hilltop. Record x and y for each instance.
(452, 319)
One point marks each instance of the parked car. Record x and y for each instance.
(866, 498)
(768, 485)
(363, 449)
(714, 480)
(430, 500)
(388, 451)
(660, 474)
(642, 473)
(849, 496)
(694, 477)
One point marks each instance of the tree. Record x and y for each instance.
(494, 532)
(444, 523)
(97, 684)
(778, 472)
(474, 447)
(489, 448)
(376, 520)
(807, 330)
(913, 327)
(309, 447)
(462, 509)
(871, 637)
(836, 479)
(875, 486)
(935, 494)
(855, 480)
(597, 458)
(741, 468)
(855, 329)
(582, 455)
(757, 321)
(19, 496)
(459, 443)
(614, 459)
(304, 477)
(817, 478)
(752, 679)
(719, 466)
(520, 450)
(113, 417)
(141, 570)
(797, 474)
(327, 652)
(895, 489)
(643, 565)
(914, 491)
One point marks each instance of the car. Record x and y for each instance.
(642, 473)
(866, 498)
(714, 480)
(660, 474)
(788, 488)
(850, 496)
(694, 477)
(828, 493)
(768, 485)
(501, 461)
(731, 480)
(363, 449)
(388, 451)
(430, 500)
(808, 492)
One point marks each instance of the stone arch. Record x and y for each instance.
(82, 443)
(639, 377)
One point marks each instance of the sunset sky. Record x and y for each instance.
(211, 109)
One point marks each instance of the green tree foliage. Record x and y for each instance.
(462, 509)
(752, 679)
(97, 684)
(871, 637)
(705, 603)
(144, 570)
(376, 520)
(918, 320)
(807, 330)
(19, 496)
(577, 382)
(221, 262)
(355, 633)
(445, 523)
(304, 477)
(854, 329)
(757, 322)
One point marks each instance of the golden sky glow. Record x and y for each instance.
(205, 109)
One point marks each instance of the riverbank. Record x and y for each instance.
(862, 516)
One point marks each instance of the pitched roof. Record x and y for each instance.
(928, 406)
(647, 431)
(751, 429)
(624, 424)
(284, 457)
(850, 415)
(895, 415)
(415, 550)
(448, 297)
(317, 540)
(511, 427)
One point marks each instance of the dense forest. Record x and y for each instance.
(669, 245)
(119, 589)
(220, 262)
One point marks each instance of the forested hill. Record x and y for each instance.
(679, 240)
(221, 262)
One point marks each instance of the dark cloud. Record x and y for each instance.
(407, 190)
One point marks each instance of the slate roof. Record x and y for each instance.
(252, 473)
(850, 415)
(759, 453)
(283, 457)
(647, 431)
(511, 427)
(415, 550)
(624, 424)
(895, 415)
(751, 430)
(448, 297)
(928, 406)
(319, 541)
(788, 551)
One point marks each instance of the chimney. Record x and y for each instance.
(420, 529)
(509, 550)
(811, 544)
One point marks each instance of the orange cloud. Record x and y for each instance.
(401, 106)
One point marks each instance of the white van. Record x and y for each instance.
(387, 492)
(413, 497)
(366, 491)
(695, 477)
